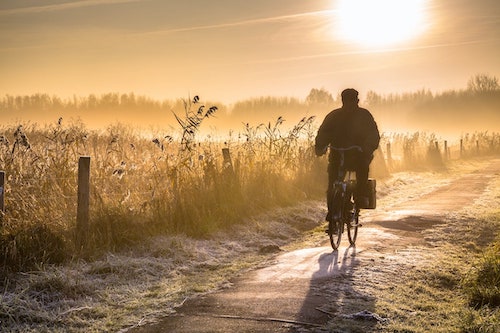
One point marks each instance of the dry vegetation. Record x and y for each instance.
(450, 284)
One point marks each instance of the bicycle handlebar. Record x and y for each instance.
(358, 148)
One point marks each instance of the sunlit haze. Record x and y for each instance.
(228, 50)
(376, 23)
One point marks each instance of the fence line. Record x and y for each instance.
(83, 196)
(475, 148)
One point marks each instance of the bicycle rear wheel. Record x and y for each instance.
(335, 225)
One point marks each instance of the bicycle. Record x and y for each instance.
(345, 212)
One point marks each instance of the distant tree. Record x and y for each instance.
(482, 83)
(110, 100)
(372, 98)
(319, 96)
(92, 102)
(128, 101)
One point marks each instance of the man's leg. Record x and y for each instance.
(362, 170)
(332, 176)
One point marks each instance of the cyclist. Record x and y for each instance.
(348, 126)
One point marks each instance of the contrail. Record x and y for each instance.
(387, 50)
(63, 6)
(242, 23)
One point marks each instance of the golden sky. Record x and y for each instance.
(226, 50)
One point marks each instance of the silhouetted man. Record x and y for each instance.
(348, 126)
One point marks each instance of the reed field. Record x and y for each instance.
(141, 186)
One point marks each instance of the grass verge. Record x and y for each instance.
(453, 285)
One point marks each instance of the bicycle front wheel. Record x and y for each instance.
(352, 224)
(335, 225)
(335, 233)
(352, 227)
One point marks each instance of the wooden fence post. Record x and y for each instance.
(82, 215)
(228, 163)
(461, 148)
(389, 154)
(228, 169)
(445, 149)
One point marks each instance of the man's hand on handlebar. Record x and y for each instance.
(320, 151)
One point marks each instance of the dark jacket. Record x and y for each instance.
(345, 127)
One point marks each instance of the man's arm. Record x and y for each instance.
(373, 136)
(323, 137)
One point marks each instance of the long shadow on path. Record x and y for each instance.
(302, 290)
(332, 292)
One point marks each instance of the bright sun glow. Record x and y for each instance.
(380, 22)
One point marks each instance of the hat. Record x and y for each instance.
(350, 94)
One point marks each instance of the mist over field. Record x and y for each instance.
(450, 113)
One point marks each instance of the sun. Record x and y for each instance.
(379, 22)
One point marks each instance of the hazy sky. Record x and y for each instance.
(227, 50)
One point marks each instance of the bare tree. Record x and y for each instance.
(483, 83)
(319, 96)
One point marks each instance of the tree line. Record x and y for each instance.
(480, 99)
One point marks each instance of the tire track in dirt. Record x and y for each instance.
(296, 292)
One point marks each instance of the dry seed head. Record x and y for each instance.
(21, 137)
(4, 141)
